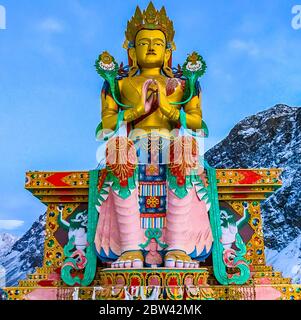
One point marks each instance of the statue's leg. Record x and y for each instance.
(130, 232)
(121, 160)
(183, 158)
(177, 231)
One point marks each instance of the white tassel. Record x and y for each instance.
(128, 296)
(94, 292)
(75, 294)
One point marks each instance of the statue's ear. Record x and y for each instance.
(167, 56)
(167, 64)
(132, 56)
(132, 62)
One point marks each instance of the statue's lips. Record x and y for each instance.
(151, 54)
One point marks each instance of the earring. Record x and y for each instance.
(134, 68)
(167, 70)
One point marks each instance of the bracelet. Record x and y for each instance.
(133, 114)
(174, 114)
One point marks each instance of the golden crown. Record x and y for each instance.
(149, 19)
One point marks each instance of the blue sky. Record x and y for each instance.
(49, 90)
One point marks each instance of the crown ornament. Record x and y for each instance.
(151, 19)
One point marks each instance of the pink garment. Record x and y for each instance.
(119, 230)
(188, 227)
(118, 226)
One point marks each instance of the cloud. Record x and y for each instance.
(51, 25)
(10, 224)
(248, 47)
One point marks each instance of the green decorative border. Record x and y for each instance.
(219, 268)
(92, 223)
(90, 268)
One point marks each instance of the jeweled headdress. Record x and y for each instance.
(149, 19)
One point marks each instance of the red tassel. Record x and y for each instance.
(170, 61)
(129, 59)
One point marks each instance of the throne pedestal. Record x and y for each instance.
(71, 190)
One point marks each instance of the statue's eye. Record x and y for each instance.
(142, 44)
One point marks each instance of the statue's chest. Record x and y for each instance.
(131, 90)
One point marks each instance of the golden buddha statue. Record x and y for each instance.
(149, 99)
(151, 87)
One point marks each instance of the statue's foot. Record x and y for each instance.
(179, 259)
(129, 259)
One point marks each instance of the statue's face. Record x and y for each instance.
(150, 48)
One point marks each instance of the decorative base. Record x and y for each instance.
(163, 277)
(71, 189)
(157, 284)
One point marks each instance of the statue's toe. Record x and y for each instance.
(178, 259)
(137, 263)
(179, 264)
(194, 264)
(170, 263)
(129, 259)
(128, 264)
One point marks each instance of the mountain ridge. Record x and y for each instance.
(26, 254)
(270, 139)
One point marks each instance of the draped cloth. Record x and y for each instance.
(187, 226)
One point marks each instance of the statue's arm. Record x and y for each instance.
(110, 109)
(193, 110)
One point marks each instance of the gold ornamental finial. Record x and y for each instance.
(149, 19)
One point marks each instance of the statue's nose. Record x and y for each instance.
(151, 51)
(151, 48)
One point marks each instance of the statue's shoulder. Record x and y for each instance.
(123, 83)
(130, 81)
(119, 83)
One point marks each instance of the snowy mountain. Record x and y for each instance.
(25, 254)
(288, 260)
(6, 242)
(271, 138)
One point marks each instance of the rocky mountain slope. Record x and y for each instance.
(288, 260)
(271, 138)
(25, 255)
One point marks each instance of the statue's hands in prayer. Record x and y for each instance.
(147, 99)
(168, 110)
(149, 91)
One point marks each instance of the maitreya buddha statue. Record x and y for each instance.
(153, 203)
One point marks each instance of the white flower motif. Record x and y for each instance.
(108, 67)
(194, 66)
